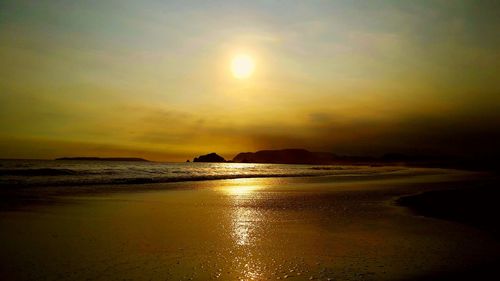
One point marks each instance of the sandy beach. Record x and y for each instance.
(316, 228)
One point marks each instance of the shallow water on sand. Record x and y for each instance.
(240, 229)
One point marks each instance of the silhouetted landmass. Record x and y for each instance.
(284, 156)
(211, 157)
(298, 156)
(133, 159)
(302, 156)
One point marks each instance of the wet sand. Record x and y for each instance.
(244, 229)
(474, 203)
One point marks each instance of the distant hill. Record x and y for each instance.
(302, 156)
(284, 156)
(290, 156)
(211, 157)
(132, 159)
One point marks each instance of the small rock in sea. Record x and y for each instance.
(211, 157)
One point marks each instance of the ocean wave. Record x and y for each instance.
(37, 172)
(138, 180)
(69, 173)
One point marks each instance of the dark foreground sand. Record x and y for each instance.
(324, 228)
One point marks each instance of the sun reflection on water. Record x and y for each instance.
(246, 219)
(242, 191)
(243, 226)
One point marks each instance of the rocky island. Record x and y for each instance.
(211, 157)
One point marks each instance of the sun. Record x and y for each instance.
(242, 66)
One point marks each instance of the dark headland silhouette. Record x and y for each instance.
(303, 156)
(286, 156)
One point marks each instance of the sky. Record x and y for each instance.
(152, 79)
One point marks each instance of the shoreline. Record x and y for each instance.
(475, 204)
(81, 174)
(397, 171)
(14, 196)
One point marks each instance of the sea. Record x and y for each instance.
(84, 172)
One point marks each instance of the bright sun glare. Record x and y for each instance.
(242, 66)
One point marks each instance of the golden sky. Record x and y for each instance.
(153, 78)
